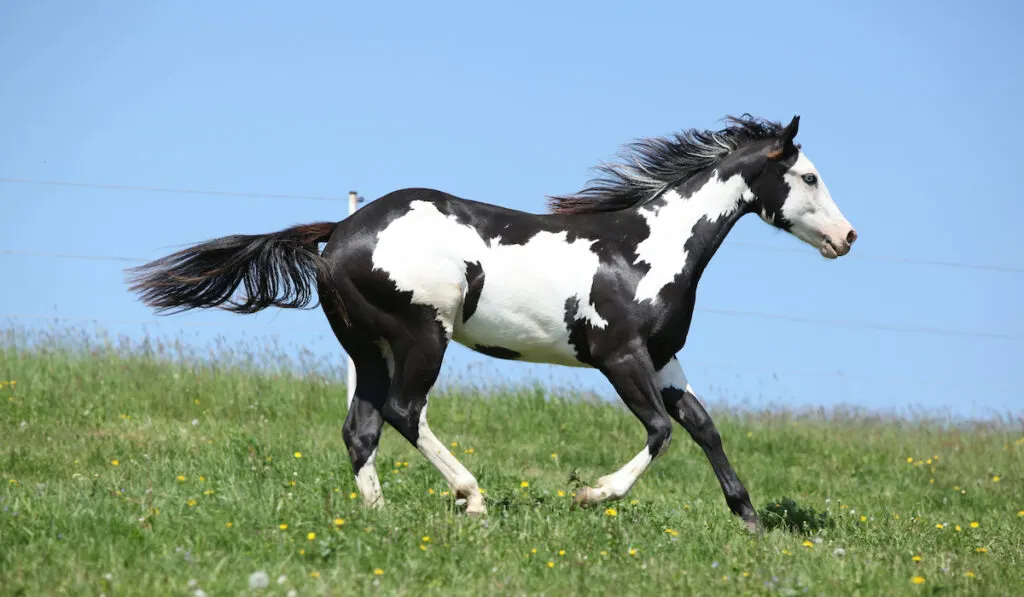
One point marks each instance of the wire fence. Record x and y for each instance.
(266, 327)
(1012, 269)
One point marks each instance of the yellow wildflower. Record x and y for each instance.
(524, 484)
(455, 444)
(425, 539)
(114, 462)
(430, 490)
(311, 536)
(672, 532)
(378, 572)
(807, 544)
(917, 580)
(202, 479)
(916, 558)
(561, 493)
(423, 547)
(339, 521)
(969, 574)
(551, 564)
(910, 459)
(1020, 513)
(181, 477)
(534, 550)
(786, 552)
(975, 524)
(353, 495)
(554, 455)
(191, 502)
(995, 478)
(982, 550)
(229, 524)
(632, 551)
(283, 526)
(611, 512)
(604, 553)
(298, 454)
(208, 492)
(315, 574)
(863, 518)
(939, 525)
(957, 528)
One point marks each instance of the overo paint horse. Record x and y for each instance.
(608, 281)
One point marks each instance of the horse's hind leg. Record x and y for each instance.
(364, 421)
(417, 364)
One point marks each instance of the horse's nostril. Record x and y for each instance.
(852, 236)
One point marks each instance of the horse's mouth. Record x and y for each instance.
(831, 249)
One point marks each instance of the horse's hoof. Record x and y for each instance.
(585, 496)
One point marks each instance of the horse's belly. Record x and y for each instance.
(520, 331)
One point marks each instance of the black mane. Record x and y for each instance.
(657, 164)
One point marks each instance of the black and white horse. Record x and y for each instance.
(608, 281)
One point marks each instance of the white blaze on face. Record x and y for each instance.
(671, 225)
(810, 208)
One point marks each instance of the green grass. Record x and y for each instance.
(207, 469)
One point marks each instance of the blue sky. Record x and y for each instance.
(909, 110)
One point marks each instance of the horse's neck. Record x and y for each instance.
(687, 226)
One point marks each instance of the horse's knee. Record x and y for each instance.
(659, 435)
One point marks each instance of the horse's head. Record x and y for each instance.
(791, 195)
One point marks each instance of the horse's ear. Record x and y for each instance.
(785, 144)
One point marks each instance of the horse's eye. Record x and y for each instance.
(810, 179)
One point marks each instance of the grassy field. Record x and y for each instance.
(127, 474)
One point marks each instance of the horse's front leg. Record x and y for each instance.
(682, 404)
(632, 374)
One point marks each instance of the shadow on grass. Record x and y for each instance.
(786, 513)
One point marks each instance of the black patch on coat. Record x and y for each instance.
(577, 330)
(475, 280)
(497, 352)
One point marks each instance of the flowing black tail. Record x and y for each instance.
(279, 269)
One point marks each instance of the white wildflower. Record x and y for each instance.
(258, 580)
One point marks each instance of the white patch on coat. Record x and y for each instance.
(618, 484)
(461, 481)
(673, 376)
(368, 483)
(810, 208)
(671, 225)
(526, 287)
(425, 252)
